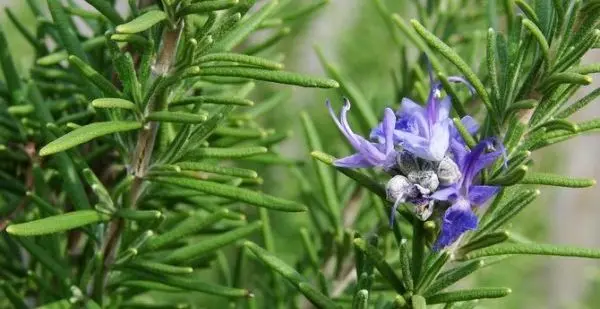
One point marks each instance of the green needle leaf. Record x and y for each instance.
(138, 215)
(565, 78)
(453, 57)
(188, 227)
(8, 65)
(324, 174)
(96, 78)
(59, 304)
(492, 55)
(244, 195)
(452, 276)
(142, 22)
(528, 11)
(135, 39)
(150, 285)
(539, 36)
(270, 76)
(212, 100)
(316, 297)
(57, 223)
(544, 12)
(61, 55)
(206, 6)
(107, 10)
(271, 41)
(213, 243)
(42, 204)
(179, 117)
(361, 300)
(159, 268)
(86, 134)
(431, 273)
(418, 302)
(513, 176)
(405, 265)
(114, 103)
(212, 168)
(30, 37)
(45, 258)
(507, 210)
(559, 124)
(65, 29)
(242, 59)
(98, 187)
(362, 179)
(226, 153)
(521, 105)
(379, 261)
(464, 295)
(247, 26)
(187, 283)
(464, 133)
(581, 103)
(13, 297)
(557, 180)
(533, 249)
(349, 89)
(484, 241)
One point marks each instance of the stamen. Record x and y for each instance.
(393, 214)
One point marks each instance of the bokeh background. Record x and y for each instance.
(353, 36)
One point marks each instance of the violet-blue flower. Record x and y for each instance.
(424, 131)
(465, 194)
(379, 153)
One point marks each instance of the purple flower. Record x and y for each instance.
(424, 131)
(465, 194)
(380, 153)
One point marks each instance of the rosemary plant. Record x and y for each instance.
(130, 160)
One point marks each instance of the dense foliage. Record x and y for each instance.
(130, 160)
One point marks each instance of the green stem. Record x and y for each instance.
(145, 144)
(418, 249)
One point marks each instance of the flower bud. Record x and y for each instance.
(448, 172)
(427, 165)
(406, 162)
(399, 188)
(427, 180)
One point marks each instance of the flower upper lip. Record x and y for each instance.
(368, 153)
(424, 131)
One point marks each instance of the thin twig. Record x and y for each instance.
(144, 147)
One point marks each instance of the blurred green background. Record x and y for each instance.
(352, 35)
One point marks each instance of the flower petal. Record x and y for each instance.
(459, 152)
(445, 194)
(458, 219)
(368, 150)
(408, 106)
(470, 124)
(416, 145)
(346, 126)
(388, 124)
(478, 195)
(439, 142)
(443, 109)
(353, 161)
(458, 79)
(478, 159)
(346, 131)
(377, 133)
